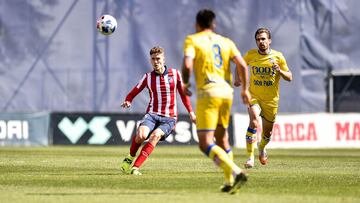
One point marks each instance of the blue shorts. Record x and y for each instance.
(154, 121)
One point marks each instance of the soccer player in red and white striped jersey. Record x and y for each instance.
(161, 113)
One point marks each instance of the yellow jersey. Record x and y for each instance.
(264, 81)
(212, 54)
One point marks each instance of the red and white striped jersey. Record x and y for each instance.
(162, 90)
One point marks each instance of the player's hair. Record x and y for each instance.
(205, 18)
(156, 50)
(263, 30)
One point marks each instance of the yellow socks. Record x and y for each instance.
(222, 159)
(230, 154)
(250, 142)
(264, 141)
(228, 173)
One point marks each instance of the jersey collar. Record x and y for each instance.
(270, 50)
(164, 73)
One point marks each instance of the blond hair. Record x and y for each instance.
(157, 50)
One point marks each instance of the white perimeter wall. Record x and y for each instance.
(318, 130)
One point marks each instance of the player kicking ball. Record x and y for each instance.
(161, 114)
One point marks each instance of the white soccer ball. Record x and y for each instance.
(106, 24)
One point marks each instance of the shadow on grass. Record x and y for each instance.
(88, 174)
(94, 193)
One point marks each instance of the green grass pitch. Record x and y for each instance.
(174, 174)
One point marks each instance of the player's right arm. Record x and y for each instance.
(126, 104)
(184, 97)
(135, 91)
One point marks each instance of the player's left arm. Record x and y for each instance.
(242, 72)
(184, 97)
(186, 71)
(283, 69)
(188, 63)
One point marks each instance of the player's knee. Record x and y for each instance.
(267, 133)
(203, 148)
(141, 135)
(203, 145)
(139, 139)
(155, 136)
(143, 132)
(254, 124)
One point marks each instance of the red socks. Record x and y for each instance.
(144, 154)
(134, 147)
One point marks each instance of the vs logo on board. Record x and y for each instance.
(75, 130)
(111, 129)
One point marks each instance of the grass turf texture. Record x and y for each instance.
(174, 174)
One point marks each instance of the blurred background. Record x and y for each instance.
(53, 58)
(62, 82)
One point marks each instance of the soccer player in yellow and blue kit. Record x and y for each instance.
(266, 66)
(208, 55)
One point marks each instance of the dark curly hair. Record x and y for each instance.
(263, 30)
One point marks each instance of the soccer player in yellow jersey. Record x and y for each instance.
(267, 66)
(208, 55)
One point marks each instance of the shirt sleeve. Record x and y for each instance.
(282, 63)
(137, 89)
(246, 57)
(189, 49)
(184, 98)
(234, 50)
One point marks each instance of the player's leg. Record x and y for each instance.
(221, 132)
(254, 116)
(222, 140)
(141, 135)
(238, 179)
(207, 114)
(136, 142)
(265, 139)
(268, 119)
(217, 154)
(164, 127)
(146, 150)
(146, 125)
(221, 159)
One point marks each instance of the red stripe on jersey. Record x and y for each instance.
(155, 103)
(163, 95)
(172, 108)
(148, 82)
(162, 91)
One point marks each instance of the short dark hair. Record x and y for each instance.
(263, 30)
(205, 18)
(156, 50)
